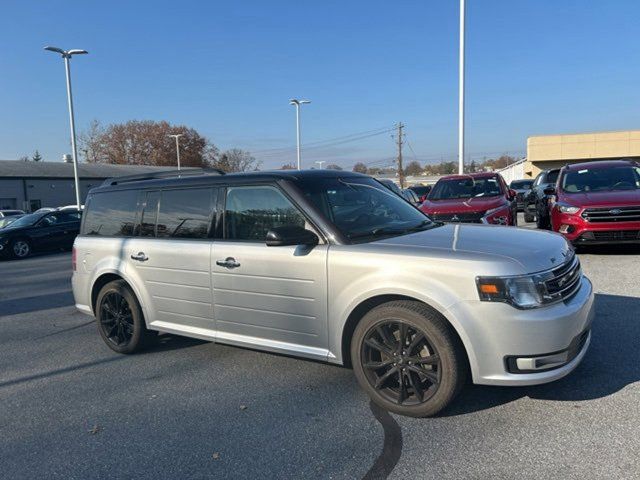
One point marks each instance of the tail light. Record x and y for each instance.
(73, 259)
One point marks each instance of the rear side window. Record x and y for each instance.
(252, 211)
(111, 214)
(149, 214)
(185, 213)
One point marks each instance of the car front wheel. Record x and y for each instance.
(21, 248)
(407, 358)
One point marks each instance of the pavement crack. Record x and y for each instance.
(392, 447)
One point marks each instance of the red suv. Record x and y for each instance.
(473, 198)
(598, 202)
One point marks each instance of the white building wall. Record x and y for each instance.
(515, 171)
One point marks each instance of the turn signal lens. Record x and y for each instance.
(489, 288)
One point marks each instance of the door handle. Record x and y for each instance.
(141, 257)
(228, 262)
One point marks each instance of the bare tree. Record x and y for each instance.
(414, 168)
(236, 160)
(360, 168)
(333, 166)
(145, 143)
(288, 166)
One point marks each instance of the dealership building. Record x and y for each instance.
(554, 151)
(32, 185)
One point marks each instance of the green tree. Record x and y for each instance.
(36, 156)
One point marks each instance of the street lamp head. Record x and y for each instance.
(305, 101)
(175, 135)
(77, 52)
(295, 101)
(56, 50)
(66, 54)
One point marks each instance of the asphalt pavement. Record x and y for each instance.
(71, 408)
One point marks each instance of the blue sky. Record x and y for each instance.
(229, 68)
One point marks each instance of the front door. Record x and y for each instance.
(170, 256)
(270, 297)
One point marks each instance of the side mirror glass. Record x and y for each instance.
(512, 193)
(290, 235)
(549, 190)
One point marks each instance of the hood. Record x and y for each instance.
(532, 250)
(614, 198)
(462, 205)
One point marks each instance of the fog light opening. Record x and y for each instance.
(566, 229)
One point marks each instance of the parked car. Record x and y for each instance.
(472, 198)
(391, 185)
(70, 207)
(327, 265)
(45, 209)
(411, 197)
(522, 188)
(10, 213)
(536, 203)
(598, 202)
(5, 221)
(38, 232)
(421, 190)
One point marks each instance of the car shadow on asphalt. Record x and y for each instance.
(611, 363)
(35, 303)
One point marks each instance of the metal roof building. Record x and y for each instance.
(32, 185)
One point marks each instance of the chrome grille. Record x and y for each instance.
(612, 214)
(565, 280)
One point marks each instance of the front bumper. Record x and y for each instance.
(493, 333)
(580, 232)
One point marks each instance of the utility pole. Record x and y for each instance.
(461, 91)
(400, 142)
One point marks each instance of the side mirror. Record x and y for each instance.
(549, 190)
(290, 235)
(512, 194)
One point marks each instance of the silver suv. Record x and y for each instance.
(332, 266)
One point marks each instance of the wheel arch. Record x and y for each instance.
(368, 304)
(99, 283)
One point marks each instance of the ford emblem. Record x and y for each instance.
(615, 211)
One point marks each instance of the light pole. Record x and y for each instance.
(320, 162)
(461, 93)
(67, 54)
(297, 103)
(177, 136)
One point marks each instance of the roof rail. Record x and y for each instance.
(190, 172)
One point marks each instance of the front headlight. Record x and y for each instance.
(567, 208)
(526, 291)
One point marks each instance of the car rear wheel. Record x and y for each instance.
(406, 357)
(21, 248)
(120, 320)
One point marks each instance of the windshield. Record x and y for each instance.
(465, 188)
(26, 221)
(9, 220)
(363, 209)
(601, 179)
(521, 184)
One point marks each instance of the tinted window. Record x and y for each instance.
(363, 209)
(601, 179)
(466, 188)
(252, 211)
(552, 176)
(111, 214)
(149, 214)
(521, 184)
(185, 213)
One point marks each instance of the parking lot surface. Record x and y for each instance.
(72, 408)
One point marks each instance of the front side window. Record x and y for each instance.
(185, 213)
(362, 209)
(252, 211)
(111, 214)
(466, 188)
(601, 179)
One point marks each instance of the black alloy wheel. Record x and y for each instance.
(408, 358)
(116, 319)
(401, 363)
(120, 320)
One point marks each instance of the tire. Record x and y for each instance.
(20, 248)
(439, 375)
(542, 222)
(121, 323)
(528, 217)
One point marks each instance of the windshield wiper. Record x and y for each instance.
(395, 231)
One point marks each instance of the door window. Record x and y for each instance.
(185, 213)
(252, 211)
(149, 214)
(111, 213)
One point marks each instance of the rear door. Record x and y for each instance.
(270, 297)
(170, 257)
